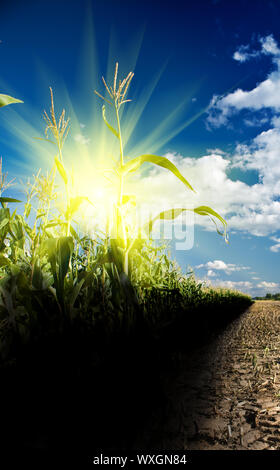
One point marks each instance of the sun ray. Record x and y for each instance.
(90, 150)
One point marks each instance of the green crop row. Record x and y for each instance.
(54, 277)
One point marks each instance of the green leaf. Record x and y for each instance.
(172, 214)
(37, 278)
(27, 209)
(3, 223)
(40, 215)
(65, 247)
(6, 99)
(74, 233)
(50, 246)
(8, 199)
(135, 163)
(75, 293)
(4, 261)
(205, 210)
(17, 225)
(61, 170)
(15, 269)
(107, 123)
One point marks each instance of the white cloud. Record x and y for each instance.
(253, 209)
(275, 248)
(216, 151)
(219, 265)
(266, 95)
(271, 286)
(262, 155)
(256, 122)
(242, 54)
(268, 47)
(211, 273)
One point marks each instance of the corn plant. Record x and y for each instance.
(121, 243)
(59, 129)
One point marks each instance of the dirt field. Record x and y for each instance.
(226, 396)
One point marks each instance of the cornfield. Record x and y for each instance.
(67, 298)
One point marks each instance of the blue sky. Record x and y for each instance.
(219, 59)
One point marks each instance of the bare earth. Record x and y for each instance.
(226, 395)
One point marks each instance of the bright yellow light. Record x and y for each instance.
(91, 152)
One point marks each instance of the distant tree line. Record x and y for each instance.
(269, 297)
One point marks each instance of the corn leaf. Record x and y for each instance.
(65, 247)
(50, 247)
(75, 293)
(61, 170)
(6, 99)
(107, 123)
(172, 214)
(8, 199)
(4, 261)
(3, 223)
(135, 163)
(74, 234)
(205, 210)
(40, 215)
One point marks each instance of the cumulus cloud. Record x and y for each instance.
(211, 273)
(266, 95)
(276, 247)
(219, 265)
(268, 286)
(256, 121)
(242, 54)
(253, 209)
(268, 47)
(216, 151)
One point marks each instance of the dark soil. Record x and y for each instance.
(224, 395)
(178, 392)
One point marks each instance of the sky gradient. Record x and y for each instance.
(207, 94)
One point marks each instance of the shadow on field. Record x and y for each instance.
(84, 390)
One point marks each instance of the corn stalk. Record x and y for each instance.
(121, 246)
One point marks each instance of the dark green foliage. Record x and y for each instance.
(86, 329)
